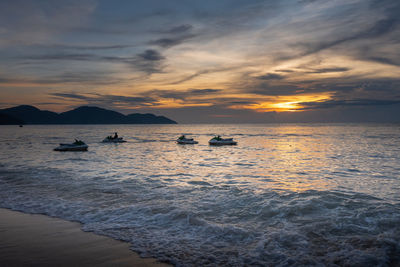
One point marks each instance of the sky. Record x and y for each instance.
(225, 61)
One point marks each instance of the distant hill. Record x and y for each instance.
(30, 115)
(10, 120)
(83, 115)
(91, 115)
(148, 118)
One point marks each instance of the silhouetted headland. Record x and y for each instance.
(26, 114)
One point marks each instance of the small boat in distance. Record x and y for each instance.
(78, 145)
(218, 141)
(108, 139)
(114, 139)
(186, 141)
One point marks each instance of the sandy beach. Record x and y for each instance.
(38, 240)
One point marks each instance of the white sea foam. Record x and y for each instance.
(286, 195)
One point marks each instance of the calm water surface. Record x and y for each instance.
(289, 194)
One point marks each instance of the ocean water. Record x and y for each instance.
(287, 194)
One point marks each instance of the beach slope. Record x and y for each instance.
(38, 240)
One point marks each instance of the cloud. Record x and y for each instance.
(98, 78)
(106, 100)
(174, 36)
(204, 71)
(329, 70)
(270, 76)
(248, 49)
(85, 47)
(380, 28)
(184, 28)
(348, 28)
(151, 55)
(149, 61)
(171, 41)
(184, 94)
(267, 89)
(37, 22)
(347, 103)
(305, 69)
(64, 56)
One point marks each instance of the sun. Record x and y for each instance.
(286, 106)
(284, 103)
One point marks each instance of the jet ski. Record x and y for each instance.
(186, 141)
(218, 141)
(110, 139)
(78, 145)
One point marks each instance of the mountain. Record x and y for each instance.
(6, 119)
(91, 115)
(149, 118)
(81, 115)
(30, 114)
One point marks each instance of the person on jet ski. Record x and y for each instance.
(78, 142)
(115, 135)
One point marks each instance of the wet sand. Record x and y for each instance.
(38, 240)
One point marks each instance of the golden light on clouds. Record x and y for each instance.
(284, 104)
(172, 103)
(289, 106)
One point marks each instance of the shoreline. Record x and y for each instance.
(40, 240)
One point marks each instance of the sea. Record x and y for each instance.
(286, 195)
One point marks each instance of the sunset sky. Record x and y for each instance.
(205, 61)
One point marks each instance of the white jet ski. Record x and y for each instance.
(186, 141)
(76, 146)
(218, 141)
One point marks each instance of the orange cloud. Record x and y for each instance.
(284, 104)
